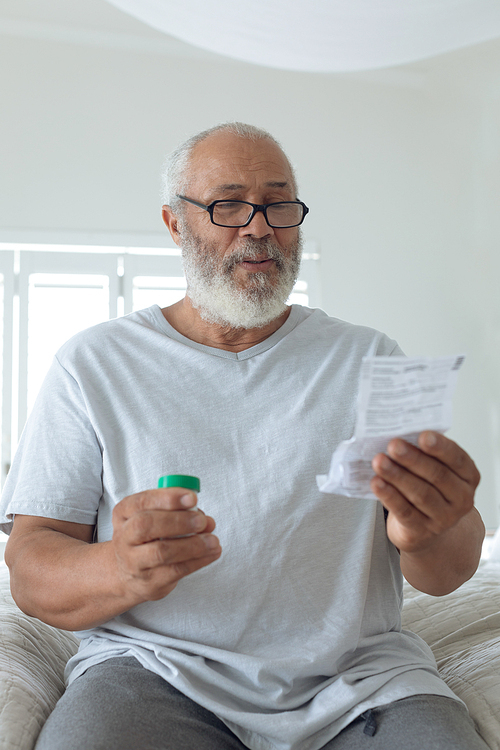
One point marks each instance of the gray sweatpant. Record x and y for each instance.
(120, 705)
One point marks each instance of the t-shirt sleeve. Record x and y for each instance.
(396, 351)
(383, 346)
(57, 469)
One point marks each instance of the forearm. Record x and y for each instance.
(66, 582)
(449, 560)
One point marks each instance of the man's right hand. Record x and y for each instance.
(158, 539)
(61, 577)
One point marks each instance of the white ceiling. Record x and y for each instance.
(94, 22)
(91, 14)
(323, 35)
(476, 68)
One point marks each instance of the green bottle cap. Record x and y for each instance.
(180, 480)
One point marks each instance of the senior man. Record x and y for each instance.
(282, 632)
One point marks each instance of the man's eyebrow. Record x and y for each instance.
(278, 184)
(230, 187)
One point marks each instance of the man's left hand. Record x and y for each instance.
(427, 490)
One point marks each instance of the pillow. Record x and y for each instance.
(32, 660)
(463, 631)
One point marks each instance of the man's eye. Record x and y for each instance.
(229, 206)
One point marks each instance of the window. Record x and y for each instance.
(49, 292)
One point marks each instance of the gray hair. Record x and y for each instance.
(175, 176)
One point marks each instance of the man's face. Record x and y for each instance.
(239, 277)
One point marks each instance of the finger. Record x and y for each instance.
(443, 505)
(175, 552)
(152, 579)
(452, 472)
(171, 498)
(412, 524)
(408, 528)
(408, 464)
(450, 454)
(210, 523)
(150, 525)
(391, 498)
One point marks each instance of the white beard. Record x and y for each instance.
(216, 294)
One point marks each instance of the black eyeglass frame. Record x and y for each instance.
(256, 207)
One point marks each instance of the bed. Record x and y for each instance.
(463, 630)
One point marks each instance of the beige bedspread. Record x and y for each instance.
(463, 629)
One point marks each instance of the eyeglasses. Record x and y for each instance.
(280, 215)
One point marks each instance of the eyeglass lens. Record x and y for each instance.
(236, 213)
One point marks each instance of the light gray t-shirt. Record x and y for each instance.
(296, 629)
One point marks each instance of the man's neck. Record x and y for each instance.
(187, 321)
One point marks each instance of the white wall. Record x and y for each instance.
(399, 168)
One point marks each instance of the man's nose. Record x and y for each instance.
(258, 227)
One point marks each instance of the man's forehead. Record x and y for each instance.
(228, 162)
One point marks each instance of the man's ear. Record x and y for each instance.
(172, 223)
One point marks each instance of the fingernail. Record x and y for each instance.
(385, 463)
(211, 541)
(399, 449)
(188, 501)
(430, 439)
(199, 522)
